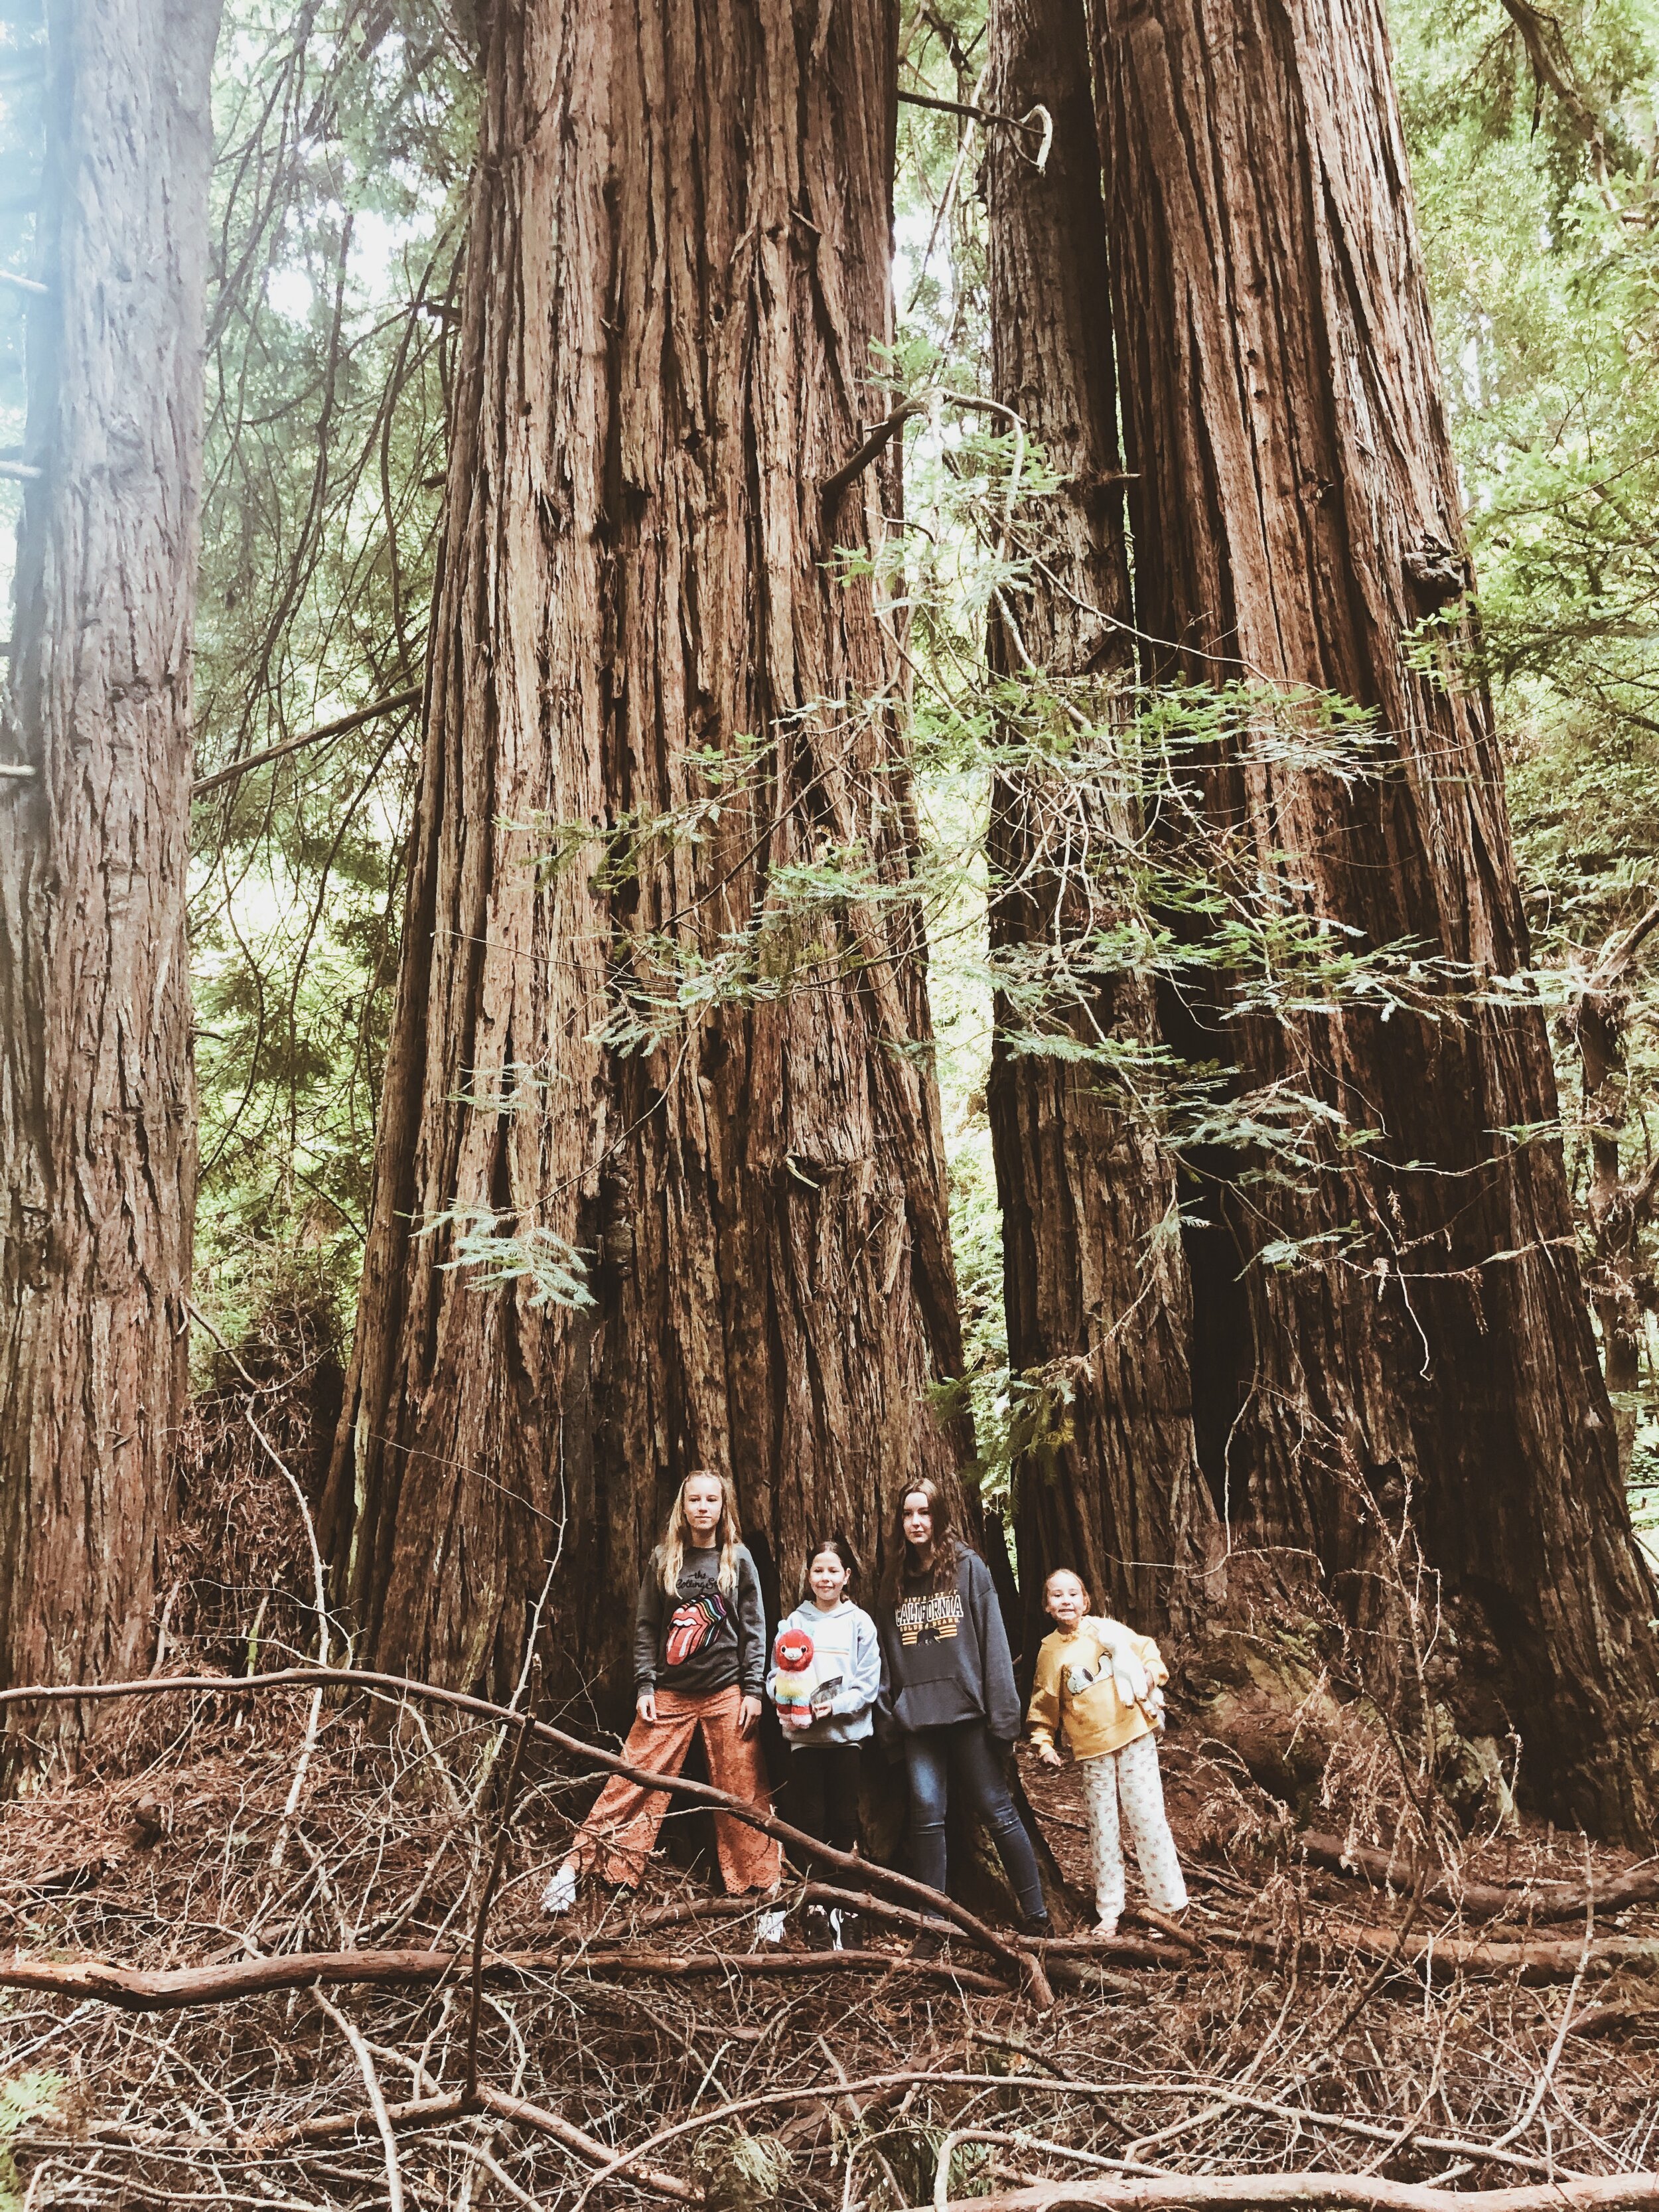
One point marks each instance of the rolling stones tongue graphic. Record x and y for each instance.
(691, 1627)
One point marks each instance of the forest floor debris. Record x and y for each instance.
(1302, 2039)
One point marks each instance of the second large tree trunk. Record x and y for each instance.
(1296, 515)
(97, 1116)
(677, 262)
(1099, 1307)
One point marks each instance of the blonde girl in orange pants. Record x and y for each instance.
(699, 1668)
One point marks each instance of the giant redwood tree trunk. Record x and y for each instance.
(97, 1138)
(677, 262)
(1096, 1281)
(1296, 515)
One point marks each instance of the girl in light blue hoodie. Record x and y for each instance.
(825, 1677)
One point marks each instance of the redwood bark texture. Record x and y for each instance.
(97, 1139)
(1095, 1277)
(1295, 514)
(678, 259)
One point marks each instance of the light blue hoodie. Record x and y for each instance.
(847, 1654)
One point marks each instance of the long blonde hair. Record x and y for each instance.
(670, 1552)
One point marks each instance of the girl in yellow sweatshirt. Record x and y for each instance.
(1103, 1685)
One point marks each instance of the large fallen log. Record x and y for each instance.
(134, 1989)
(1484, 1900)
(1327, 2193)
(1541, 1958)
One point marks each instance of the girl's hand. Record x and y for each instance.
(749, 1712)
(822, 1705)
(1048, 1755)
(646, 1705)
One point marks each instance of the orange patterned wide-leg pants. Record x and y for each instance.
(617, 1836)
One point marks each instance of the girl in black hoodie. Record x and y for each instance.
(948, 1695)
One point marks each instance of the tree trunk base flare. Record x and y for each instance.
(1286, 1694)
(1398, 1407)
(97, 1111)
(661, 1022)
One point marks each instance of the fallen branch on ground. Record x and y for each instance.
(383, 2127)
(1329, 2192)
(1544, 1960)
(887, 2088)
(130, 1989)
(1484, 1900)
(1021, 1959)
(345, 2127)
(1124, 1949)
(1120, 1950)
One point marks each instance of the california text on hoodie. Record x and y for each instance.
(945, 1656)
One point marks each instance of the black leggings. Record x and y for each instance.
(822, 1796)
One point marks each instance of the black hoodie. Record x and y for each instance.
(945, 1656)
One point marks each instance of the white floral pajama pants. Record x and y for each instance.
(1131, 1776)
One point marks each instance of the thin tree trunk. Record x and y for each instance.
(1098, 1303)
(678, 261)
(1295, 517)
(97, 1131)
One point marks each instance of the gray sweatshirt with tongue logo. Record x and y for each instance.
(701, 1639)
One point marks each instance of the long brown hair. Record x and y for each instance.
(948, 1546)
(670, 1552)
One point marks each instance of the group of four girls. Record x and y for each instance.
(932, 1669)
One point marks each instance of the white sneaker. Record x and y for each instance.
(561, 1892)
(769, 1929)
(1107, 1924)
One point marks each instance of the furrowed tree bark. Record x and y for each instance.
(1095, 1279)
(1619, 1207)
(97, 1136)
(677, 262)
(1296, 517)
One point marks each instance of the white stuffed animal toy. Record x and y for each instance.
(1129, 1677)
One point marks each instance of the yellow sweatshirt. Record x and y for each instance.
(1074, 1690)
